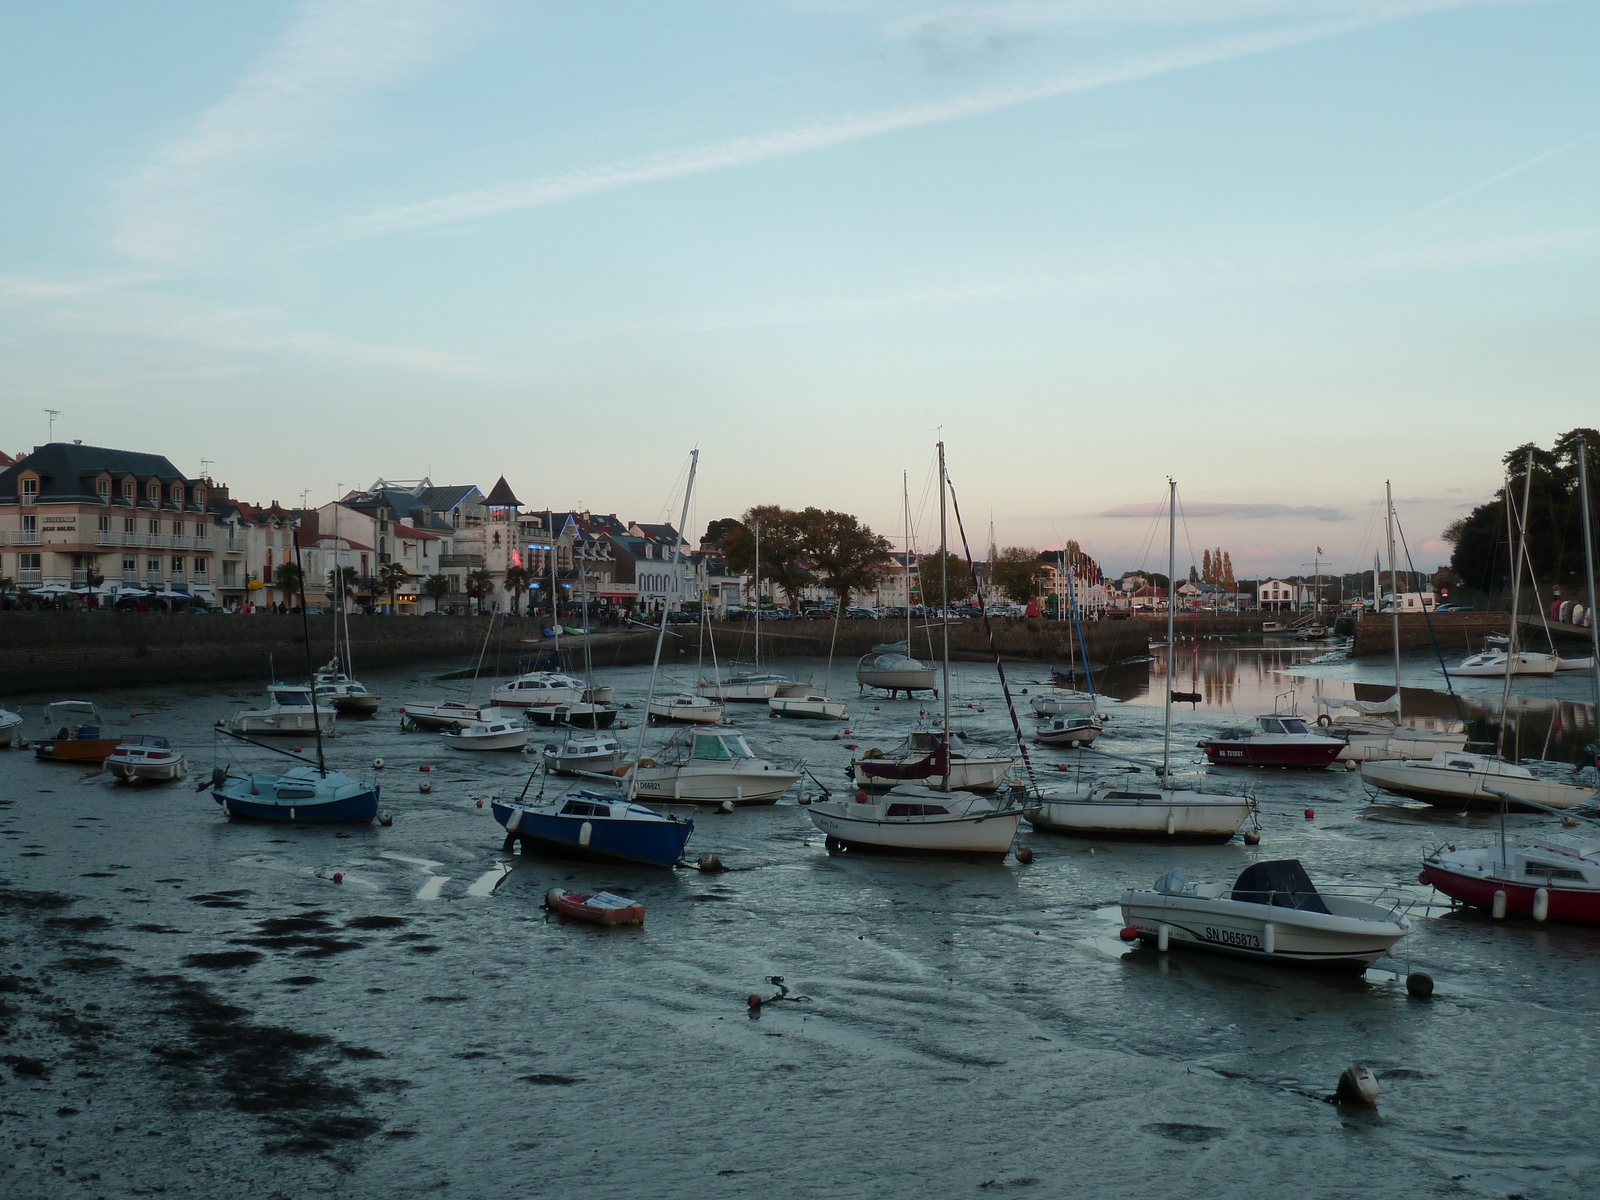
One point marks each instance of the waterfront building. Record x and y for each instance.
(423, 529)
(72, 514)
(253, 542)
(1279, 595)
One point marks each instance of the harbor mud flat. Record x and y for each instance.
(205, 1007)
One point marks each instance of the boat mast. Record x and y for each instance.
(1172, 565)
(305, 626)
(944, 621)
(905, 507)
(1588, 566)
(661, 633)
(1388, 516)
(1517, 552)
(555, 599)
(758, 602)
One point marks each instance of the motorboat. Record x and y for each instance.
(1273, 913)
(447, 715)
(594, 825)
(298, 794)
(289, 710)
(892, 668)
(583, 754)
(911, 817)
(684, 709)
(1074, 704)
(812, 707)
(540, 687)
(1132, 811)
(601, 694)
(1277, 741)
(753, 689)
(1069, 731)
(1555, 877)
(1272, 627)
(926, 758)
(1460, 780)
(9, 722)
(705, 767)
(337, 690)
(580, 714)
(146, 758)
(78, 733)
(489, 733)
(1494, 664)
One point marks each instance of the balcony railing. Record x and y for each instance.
(30, 578)
(25, 538)
(233, 546)
(105, 537)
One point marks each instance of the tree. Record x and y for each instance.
(516, 580)
(479, 584)
(286, 577)
(391, 578)
(1194, 576)
(929, 576)
(1018, 572)
(783, 549)
(842, 550)
(437, 587)
(341, 582)
(1207, 568)
(720, 529)
(1229, 584)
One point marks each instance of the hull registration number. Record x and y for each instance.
(1228, 937)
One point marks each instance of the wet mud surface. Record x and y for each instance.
(194, 1007)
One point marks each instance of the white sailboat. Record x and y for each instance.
(807, 703)
(927, 814)
(1116, 809)
(890, 667)
(754, 686)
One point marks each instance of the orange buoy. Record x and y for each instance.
(1311, 814)
(338, 876)
(861, 797)
(1129, 933)
(480, 803)
(753, 1000)
(424, 767)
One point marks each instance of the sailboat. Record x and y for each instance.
(335, 683)
(309, 792)
(597, 825)
(1066, 700)
(1120, 809)
(926, 813)
(754, 686)
(1378, 730)
(890, 666)
(1458, 779)
(811, 704)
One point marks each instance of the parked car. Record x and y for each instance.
(682, 618)
(861, 614)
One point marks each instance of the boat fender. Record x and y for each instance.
(585, 832)
(1172, 823)
(1128, 933)
(1024, 855)
(861, 797)
(1162, 938)
(1420, 985)
(1324, 720)
(1269, 938)
(1499, 909)
(1422, 877)
(1357, 1085)
(424, 787)
(1541, 904)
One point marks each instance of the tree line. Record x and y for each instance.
(801, 548)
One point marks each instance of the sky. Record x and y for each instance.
(1279, 250)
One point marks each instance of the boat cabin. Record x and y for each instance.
(281, 695)
(898, 809)
(144, 745)
(718, 747)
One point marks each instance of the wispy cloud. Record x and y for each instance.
(1312, 512)
(333, 55)
(27, 289)
(469, 205)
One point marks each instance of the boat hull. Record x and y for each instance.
(966, 775)
(575, 905)
(1070, 738)
(991, 833)
(808, 708)
(698, 785)
(1367, 747)
(286, 724)
(1246, 752)
(740, 693)
(438, 716)
(237, 801)
(1078, 705)
(684, 714)
(905, 679)
(75, 750)
(146, 772)
(355, 706)
(1566, 904)
(1296, 938)
(1206, 822)
(1468, 789)
(651, 843)
(580, 716)
(510, 742)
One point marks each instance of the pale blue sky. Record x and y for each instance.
(1279, 249)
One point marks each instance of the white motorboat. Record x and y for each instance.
(709, 768)
(749, 689)
(601, 694)
(490, 733)
(1273, 913)
(583, 754)
(1069, 731)
(684, 709)
(289, 710)
(540, 687)
(1494, 664)
(448, 715)
(338, 691)
(1074, 704)
(1556, 876)
(9, 721)
(1134, 811)
(146, 758)
(1460, 780)
(892, 668)
(923, 759)
(911, 817)
(808, 707)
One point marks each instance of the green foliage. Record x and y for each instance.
(1019, 572)
(391, 577)
(437, 587)
(930, 576)
(516, 581)
(720, 529)
(843, 551)
(286, 577)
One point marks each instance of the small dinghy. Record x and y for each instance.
(79, 733)
(9, 721)
(598, 908)
(146, 758)
(1273, 913)
(491, 733)
(1069, 731)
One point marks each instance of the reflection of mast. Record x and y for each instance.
(1588, 566)
(1517, 552)
(1388, 490)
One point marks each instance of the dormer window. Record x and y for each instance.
(153, 493)
(104, 488)
(30, 491)
(177, 493)
(200, 497)
(129, 490)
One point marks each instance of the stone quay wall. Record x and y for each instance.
(1459, 633)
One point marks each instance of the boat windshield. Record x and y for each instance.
(721, 748)
(291, 698)
(1283, 883)
(1295, 725)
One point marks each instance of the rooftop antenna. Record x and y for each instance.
(205, 467)
(53, 413)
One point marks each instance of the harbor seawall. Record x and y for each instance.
(1459, 633)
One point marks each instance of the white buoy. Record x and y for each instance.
(377, 764)
(385, 819)
(726, 806)
(1161, 938)
(1357, 1085)
(1541, 905)
(1269, 938)
(1499, 909)
(424, 786)
(552, 896)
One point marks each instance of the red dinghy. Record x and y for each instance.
(1276, 742)
(598, 908)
